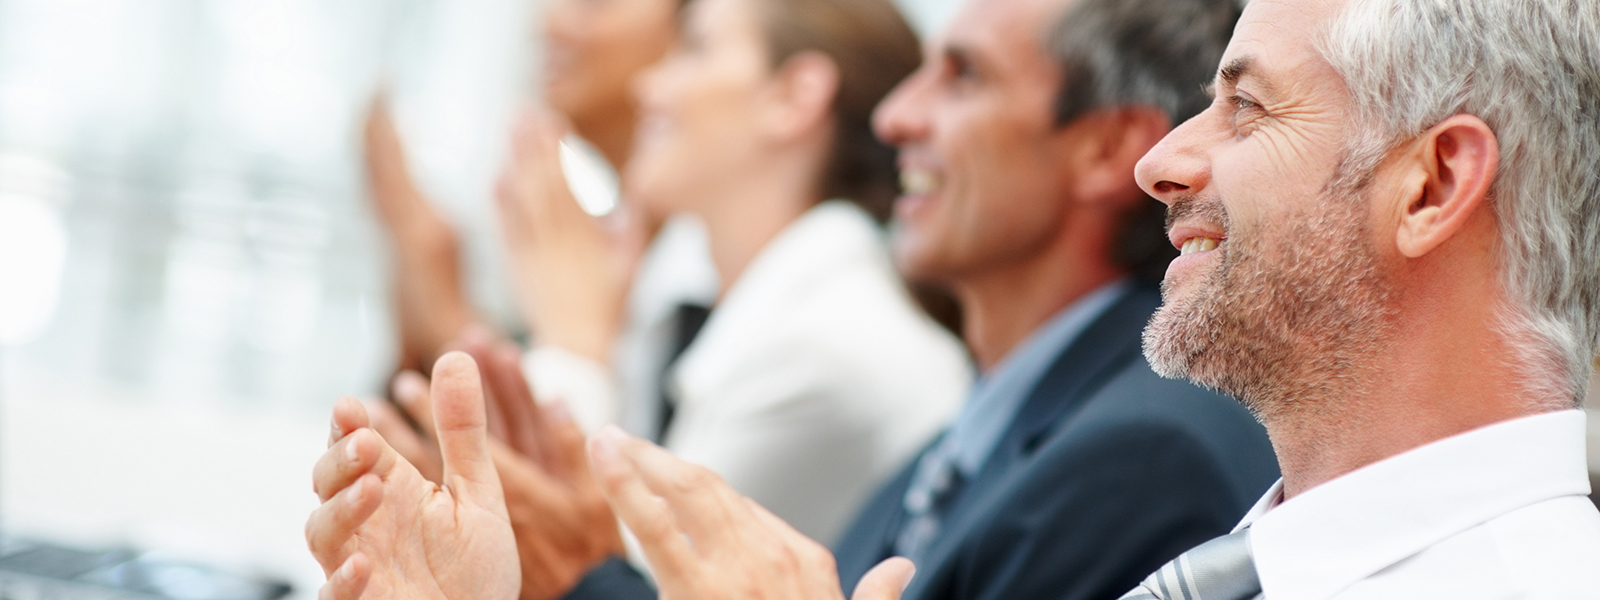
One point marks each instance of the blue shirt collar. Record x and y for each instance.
(998, 395)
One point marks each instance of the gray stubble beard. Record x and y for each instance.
(1290, 321)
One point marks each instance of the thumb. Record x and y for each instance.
(885, 581)
(458, 416)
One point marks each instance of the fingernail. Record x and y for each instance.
(910, 575)
(351, 454)
(348, 569)
(337, 432)
(355, 489)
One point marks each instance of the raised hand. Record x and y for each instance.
(432, 304)
(384, 531)
(706, 542)
(570, 271)
(562, 523)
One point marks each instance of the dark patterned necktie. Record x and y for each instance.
(932, 489)
(1220, 569)
(687, 321)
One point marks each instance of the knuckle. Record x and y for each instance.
(695, 479)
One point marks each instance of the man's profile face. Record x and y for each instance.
(979, 153)
(1281, 280)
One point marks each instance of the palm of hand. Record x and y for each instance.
(465, 551)
(384, 531)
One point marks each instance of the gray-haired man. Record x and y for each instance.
(1402, 210)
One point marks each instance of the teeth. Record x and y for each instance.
(1199, 244)
(917, 182)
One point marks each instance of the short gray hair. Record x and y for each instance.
(1156, 53)
(1531, 70)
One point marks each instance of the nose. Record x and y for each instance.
(1178, 166)
(902, 118)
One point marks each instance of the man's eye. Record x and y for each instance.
(1245, 113)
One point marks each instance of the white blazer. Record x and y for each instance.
(817, 376)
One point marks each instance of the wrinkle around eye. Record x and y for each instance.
(1296, 147)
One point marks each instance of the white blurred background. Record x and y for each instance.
(189, 271)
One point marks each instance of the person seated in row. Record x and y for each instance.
(1054, 248)
(817, 375)
(607, 299)
(1385, 260)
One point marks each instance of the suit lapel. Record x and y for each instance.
(870, 539)
(1092, 359)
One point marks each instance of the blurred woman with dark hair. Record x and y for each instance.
(817, 373)
(609, 310)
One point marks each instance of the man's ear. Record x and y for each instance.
(804, 88)
(1459, 158)
(1106, 145)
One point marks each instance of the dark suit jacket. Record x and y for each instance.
(1106, 473)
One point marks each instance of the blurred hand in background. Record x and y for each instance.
(571, 271)
(705, 541)
(431, 301)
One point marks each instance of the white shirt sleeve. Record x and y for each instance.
(590, 389)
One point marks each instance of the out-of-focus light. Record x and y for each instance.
(33, 249)
(592, 182)
(33, 245)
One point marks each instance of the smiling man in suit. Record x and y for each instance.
(1072, 464)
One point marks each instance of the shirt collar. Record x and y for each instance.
(1341, 532)
(831, 238)
(998, 395)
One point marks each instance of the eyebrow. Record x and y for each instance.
(1235, 70)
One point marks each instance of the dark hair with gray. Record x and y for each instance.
(1157, 53)
(1531, 70)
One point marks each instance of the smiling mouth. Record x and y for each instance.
(1196, 245)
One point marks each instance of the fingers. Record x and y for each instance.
(564, 444)
(477, 341)
(514, 397)
(705, 506)
(411, 391)
(348, 415)
(886, 581)
(646, 515)
(333, 523)
(400, 435)
(356, 455)
(462, 433)
(349, 581)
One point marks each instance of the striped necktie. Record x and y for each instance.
(1220, 569)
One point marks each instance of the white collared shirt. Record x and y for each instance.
(1497, 513)
(675, 270)
(817, 377)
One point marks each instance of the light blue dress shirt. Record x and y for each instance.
(995, 399)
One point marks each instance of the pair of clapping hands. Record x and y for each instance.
(527, 511)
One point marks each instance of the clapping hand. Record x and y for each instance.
(571, 271)
(704, 541)
(562, 523)
(385, 531)
(430, 295)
